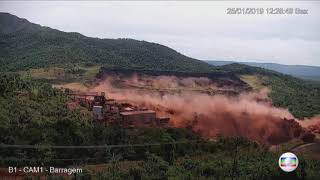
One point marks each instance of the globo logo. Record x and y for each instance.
(288, 162)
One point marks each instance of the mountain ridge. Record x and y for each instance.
(11, 24)
(307, 72)
(32, 45)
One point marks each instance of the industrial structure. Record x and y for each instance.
(110, 111)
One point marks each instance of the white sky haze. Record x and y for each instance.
(200, 30)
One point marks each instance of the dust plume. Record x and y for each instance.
(248, 115)
(312, 124)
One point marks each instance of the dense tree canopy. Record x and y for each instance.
(301, 97)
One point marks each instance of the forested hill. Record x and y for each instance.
(26, 45)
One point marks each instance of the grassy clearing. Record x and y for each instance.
(256, 82)
(73, 85)
(61, 75)
(288, 146)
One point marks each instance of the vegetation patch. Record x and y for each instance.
(302, 98)
(255, 81)
(63, 74)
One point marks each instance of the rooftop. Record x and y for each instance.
(137, 112)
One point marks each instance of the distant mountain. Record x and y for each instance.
(25, 45)
(301, 71)
(11, 24)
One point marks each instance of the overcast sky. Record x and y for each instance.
(200, 30)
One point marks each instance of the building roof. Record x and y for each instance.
(99, 107)
(83, 93)
(137, 112)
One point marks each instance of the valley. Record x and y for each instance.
(123, 108)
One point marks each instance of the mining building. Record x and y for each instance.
(110, 111)
(145, 118)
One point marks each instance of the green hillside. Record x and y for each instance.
(301, 97)
(25, 45)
